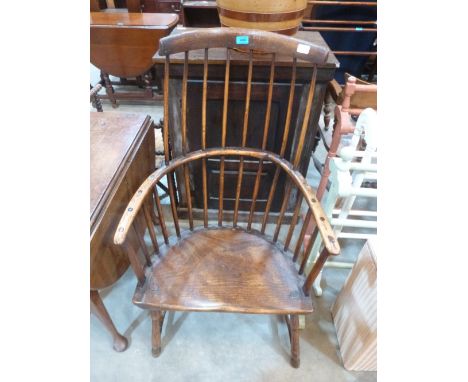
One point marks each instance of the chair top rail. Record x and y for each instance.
(240, 38)
(328, 236)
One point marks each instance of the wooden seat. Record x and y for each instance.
(228, 267)
(224, 270)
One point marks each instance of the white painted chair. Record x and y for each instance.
(347, 177)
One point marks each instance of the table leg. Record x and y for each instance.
(99, 309)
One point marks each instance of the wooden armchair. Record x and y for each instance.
(220, 265)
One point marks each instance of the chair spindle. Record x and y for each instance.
(314, 272)
(141, 241)
(150, 226)
(166, 146)
(283, 144)
(137, 267)
(297, 209)
(305, 123)
(244, 137)
(264, 141)
(307, 250)
(203, 142)
(162, 221)
(223, 138)
(300, 239)
(184, 140)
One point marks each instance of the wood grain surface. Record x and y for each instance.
(225, 270)
(123, 44)
(121, 145)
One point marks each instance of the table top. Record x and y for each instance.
(218, 55)
(113, 136)
(124, 19)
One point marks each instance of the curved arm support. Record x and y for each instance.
(328, 236)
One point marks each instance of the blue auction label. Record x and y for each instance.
(242, 40)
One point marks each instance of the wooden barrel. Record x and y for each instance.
(281, 16)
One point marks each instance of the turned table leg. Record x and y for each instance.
(98, 308)
(109, 89)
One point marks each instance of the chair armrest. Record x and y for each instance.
(328, 236)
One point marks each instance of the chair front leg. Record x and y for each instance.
(157, 317)
(295, 352)
(293, 326)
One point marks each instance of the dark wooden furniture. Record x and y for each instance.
(350, 29)
(123, 44)
(116, 6)
(222, 266)
(122, 155)
(285, 115)
(164, 6)
(200, 14)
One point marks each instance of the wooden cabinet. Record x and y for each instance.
(200, 14)
(164, 6)
(237, 92)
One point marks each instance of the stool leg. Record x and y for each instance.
(98, 308)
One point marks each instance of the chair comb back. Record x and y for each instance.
(240, 38)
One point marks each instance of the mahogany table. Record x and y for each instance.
(122, 156)
(122, 45)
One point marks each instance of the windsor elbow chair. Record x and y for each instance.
(220, 265)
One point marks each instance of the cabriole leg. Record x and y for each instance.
(98, 308)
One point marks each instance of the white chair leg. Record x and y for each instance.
(301, 321)
(316, 285)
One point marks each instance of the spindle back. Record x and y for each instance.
(262, 49)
